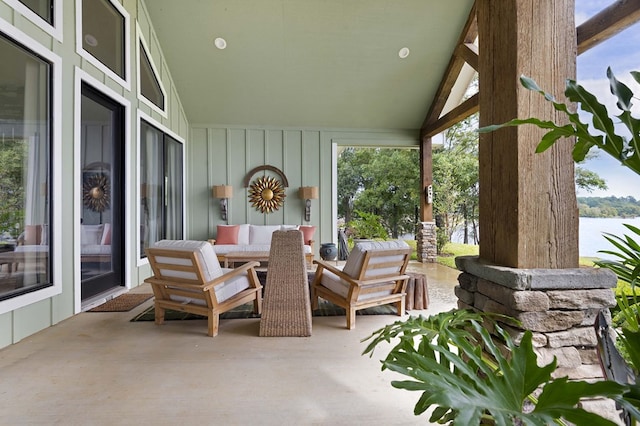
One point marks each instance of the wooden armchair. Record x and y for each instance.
(373, 275)
(187, 277)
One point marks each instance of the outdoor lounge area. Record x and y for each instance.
(124, 123)
(124, 372)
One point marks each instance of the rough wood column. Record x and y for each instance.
(426, 177)
(528, 209)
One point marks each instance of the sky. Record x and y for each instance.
(622, 54)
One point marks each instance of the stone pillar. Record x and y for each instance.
(427, 243)
(558, 305)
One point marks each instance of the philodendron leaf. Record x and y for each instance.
(464, 387)
(620, 90)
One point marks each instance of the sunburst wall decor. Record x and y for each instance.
(266, 194)
(96, 192)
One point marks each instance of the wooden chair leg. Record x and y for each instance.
(351, 318)
(159, 315)
(400, 307)
(213, 322)
(257, 304)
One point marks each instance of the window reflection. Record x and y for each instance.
(25, 234)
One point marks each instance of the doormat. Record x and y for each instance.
(123, 303)
(325, 309)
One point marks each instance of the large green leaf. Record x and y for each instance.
(604, 135)
(464, 376)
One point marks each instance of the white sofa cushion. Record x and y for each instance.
(243, 234)
(261, 234)
(224, 249)
(91, 234)
(204, 251)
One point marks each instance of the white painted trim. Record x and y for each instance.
(126, 82)
(82, 76)
(56, 164)
(146, 117)
(334, 191)
(141, 97)
(54, 30)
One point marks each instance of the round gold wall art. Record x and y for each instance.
(96, 193)
(266, 194)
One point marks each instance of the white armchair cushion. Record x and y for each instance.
(341, 287)
(354, 261)
(223, 291)
(204, 251)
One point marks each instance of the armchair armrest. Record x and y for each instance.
(234, 272)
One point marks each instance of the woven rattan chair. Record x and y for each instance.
(373, 275)
(187, 277)
(286, 308)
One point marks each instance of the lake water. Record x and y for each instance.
(592, 240)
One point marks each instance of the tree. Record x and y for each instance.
(12, 155)
(381, 181)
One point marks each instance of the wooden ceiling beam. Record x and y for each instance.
(459, 113)
(468, 35)
(469, 53)
(607, 23)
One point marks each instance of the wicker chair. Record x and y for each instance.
(373, 275)
(187, 277)
(287, 308)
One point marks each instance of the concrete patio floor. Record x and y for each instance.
(100, 368)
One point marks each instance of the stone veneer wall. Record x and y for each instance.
(427, 242)
(558, 305)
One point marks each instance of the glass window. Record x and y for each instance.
(149, 83)
(161, 176)
(103, 34)
(25, 170)
(42, 8)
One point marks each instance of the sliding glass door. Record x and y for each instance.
(101, 191)
(161, 181)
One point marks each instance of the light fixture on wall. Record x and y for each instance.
(223, 192)
(308, 193)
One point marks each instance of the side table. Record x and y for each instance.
(417, 294)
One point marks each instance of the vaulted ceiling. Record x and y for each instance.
(308, 63)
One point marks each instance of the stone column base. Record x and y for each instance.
(558, 305)
(426, 238)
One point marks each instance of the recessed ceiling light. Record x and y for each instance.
(220, 43)
(404, 52)
(91, 40)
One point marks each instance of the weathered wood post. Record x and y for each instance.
(528, 263)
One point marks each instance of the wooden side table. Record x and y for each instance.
(417, 294)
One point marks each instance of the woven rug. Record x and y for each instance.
(326, 309)
(123, 303)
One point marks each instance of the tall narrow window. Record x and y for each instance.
(25, 170)
(149, 84)
(161, 177)
(42, 8)
(103, 34)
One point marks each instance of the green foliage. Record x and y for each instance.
(442, 238)
(444, 358)
(366, 226)
(12, 158)
(455, 178)
(627, 151)
(385, 182)
(609, 207)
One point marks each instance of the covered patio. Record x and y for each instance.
(293, 82)
(100, 368)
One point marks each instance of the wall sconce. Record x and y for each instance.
(308, 193)
(223, 192)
